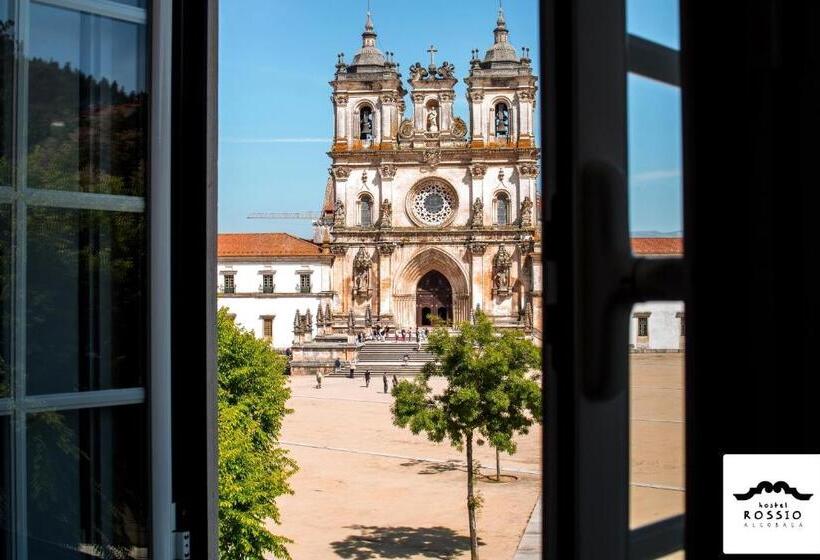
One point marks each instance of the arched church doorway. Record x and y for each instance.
(434, 298)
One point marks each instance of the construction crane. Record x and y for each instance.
(284, 216)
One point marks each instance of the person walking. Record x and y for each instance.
(405, 359)
(417, 334)
(352, 369)
(395, 381)
(367, 378)
(318, 379)
(336, 365)
(384, 380)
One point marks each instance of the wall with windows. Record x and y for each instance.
(664, 327)
(273, 290)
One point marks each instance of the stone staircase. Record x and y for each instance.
(387, 357)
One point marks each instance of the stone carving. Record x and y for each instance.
(387, 249)
(387, 98)
(351, 323)
(339, 214)
(477, 218)
(339, 250)
(406, 128)
(528, 317)
(388, 171)
(528, 170)
(341, 100)
(502, 262)
(368, 316)
(432, 158)
(526, 212)
(361, 273)
(477, 96)
(446, 71)
(341, 173)
(432, 120)
(459, 128)
(525, 95)
(476, 248)
(320, 318)
(364, 179)
(418, 97)
(297, 324)
(417, 72)
(432, 203)
(501, 175)
(477, 170)
(328, 315)
(308, 318)
(386, 214)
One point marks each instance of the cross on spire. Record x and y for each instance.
(432, 50)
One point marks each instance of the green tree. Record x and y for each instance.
(491, 393)
(253, 470)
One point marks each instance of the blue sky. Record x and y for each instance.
(275, 116)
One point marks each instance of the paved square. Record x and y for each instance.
(367, 489)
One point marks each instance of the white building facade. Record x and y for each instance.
(658, 326)
(269, 281)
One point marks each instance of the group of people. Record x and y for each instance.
(394, 381)
(380, 334)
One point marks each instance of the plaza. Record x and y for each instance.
(367, 489)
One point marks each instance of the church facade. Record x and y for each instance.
(427, 215)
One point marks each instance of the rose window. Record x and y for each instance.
(433, 204)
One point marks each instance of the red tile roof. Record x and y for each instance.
(657, 245)
(264, 245)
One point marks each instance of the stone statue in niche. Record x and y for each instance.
(339, 214)
(361, 273)
(386, 214)
(502, 262)
(478, 213)
(526, 212)
(432, 120)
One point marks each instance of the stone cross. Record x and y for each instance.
(432, 50)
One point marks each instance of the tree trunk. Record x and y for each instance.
(471, 503)
(497, 465)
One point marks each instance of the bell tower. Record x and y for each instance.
(368, 97)
(501, 94)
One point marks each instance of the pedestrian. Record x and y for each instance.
(336, 365)
(417, 334)
(352, 369)
(318, 379)
(406, 358)
(367, 378)
(402, 335)
(384, 380)
(395, 380)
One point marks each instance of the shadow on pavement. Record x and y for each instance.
(436, 468)
(402, 542)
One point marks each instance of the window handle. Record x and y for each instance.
(610, 280)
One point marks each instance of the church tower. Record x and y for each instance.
(501, 94)
(368, 97)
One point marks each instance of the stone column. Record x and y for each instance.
(476, 99)
(525, 108)
(418, 111)
(476, 250)
(341, 138)
(388, 108)
(446, 107)
(339, 305)
(386, 281)
(377, 130)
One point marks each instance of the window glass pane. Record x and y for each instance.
(5, 487)
(87, 488)
(86, 319)
(6, 90)
(6, 297)
(87, 103)
(656, 20)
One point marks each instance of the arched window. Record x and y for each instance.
(502, 209)
(365, 211)
(366, 123)
(502, 120)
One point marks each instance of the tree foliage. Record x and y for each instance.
(253, 470)
(490, 393)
